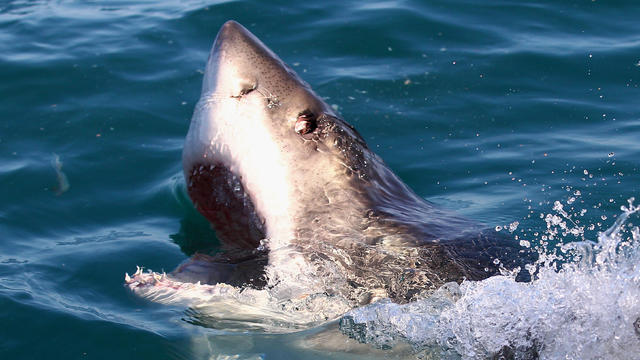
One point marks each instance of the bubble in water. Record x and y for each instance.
(498, 228)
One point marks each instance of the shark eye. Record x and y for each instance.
(306, 122)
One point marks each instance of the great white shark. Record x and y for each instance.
(291, 188)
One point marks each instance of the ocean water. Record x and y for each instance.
(519, 115)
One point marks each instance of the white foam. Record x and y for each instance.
(286, 304)
(588, 309)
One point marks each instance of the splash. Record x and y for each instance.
(583, 304)
(281, 307)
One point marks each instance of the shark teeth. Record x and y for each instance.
(161, 288)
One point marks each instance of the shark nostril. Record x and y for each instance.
(244, 90)
(247, 90)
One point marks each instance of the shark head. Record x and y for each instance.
(267, 157)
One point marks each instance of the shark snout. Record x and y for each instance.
(237, 62)
(229, 33)
(231, 27)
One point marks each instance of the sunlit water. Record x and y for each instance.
(519, 115)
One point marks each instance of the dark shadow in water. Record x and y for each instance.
(209, 262)
(196, 235)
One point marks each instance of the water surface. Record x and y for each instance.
(495, 110)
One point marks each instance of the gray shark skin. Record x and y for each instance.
(272, 166)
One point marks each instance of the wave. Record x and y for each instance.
(582, 304)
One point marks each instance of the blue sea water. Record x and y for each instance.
(494, 109)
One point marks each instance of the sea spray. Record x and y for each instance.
(583, 303)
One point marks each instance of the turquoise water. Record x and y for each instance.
(495, 110)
